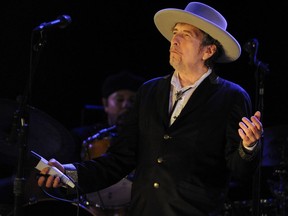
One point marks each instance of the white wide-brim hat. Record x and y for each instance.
(203, 17)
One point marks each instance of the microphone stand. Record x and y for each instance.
(21, 120)
(261, 70)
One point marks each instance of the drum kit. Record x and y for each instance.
(49, 138)
(273, 184)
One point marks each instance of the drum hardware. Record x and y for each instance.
(101, 134)
(244, 208)
(45, 135)
(275, 156)
(113, 200)
(96, 145)
(279, 189)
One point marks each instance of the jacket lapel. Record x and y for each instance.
(163, 99)
(200, 95)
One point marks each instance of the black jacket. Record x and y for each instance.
(183, 169)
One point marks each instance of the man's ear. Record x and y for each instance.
(210, 50)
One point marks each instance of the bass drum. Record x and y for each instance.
(48, 207)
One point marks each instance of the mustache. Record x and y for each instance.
(174, 50)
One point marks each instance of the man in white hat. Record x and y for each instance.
(189, 131)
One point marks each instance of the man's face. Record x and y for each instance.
(185, 46)
(117, 103)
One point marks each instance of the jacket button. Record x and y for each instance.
(166, 137)
(160, 160)
(156, 185)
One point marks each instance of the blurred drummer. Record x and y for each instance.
(118, 94)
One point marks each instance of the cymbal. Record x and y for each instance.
(275, 145)
(45, 135)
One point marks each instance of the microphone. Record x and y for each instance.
(61, 22)
(40, 163)
(251, 47)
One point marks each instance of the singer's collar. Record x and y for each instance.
(175, 81)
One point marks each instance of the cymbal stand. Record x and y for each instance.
(21, 121)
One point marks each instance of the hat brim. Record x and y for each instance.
(166, 19)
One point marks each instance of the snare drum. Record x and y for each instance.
(113, 200)
(113, 197)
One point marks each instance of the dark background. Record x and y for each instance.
(109, 36)
(114, 35)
